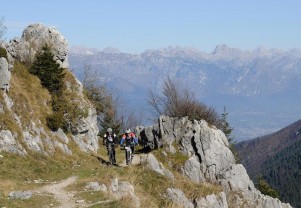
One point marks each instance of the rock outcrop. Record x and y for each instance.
(33, 38)
(212, 200)
(32, 134)
(210, 160)
(121, 189)
(4, 74)
(152, 163)
(8, 143)
(85, 130)
(179, 198)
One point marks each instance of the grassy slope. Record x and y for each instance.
(32, 104)
(17, 173)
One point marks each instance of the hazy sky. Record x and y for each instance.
(136, 25)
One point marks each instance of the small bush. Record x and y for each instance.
(266, 189)
(3, 53)
(175, 101)
(55, 121)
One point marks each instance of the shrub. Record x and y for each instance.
(102, 99)
(180, 102)
(266, 189)
(55, 121)
(49, 72)
(3, 53)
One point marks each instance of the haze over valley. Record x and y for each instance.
(259, 88)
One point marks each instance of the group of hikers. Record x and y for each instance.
(128, 139)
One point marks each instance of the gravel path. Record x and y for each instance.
(136, 161)
(66, 199)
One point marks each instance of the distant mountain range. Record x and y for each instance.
(260, 88)
(277, 158)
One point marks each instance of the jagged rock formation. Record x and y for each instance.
(210, 160)
(22, 132)
(33, 38)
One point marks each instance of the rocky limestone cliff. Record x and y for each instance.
(210, 160)
(22, 109)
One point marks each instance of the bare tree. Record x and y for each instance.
(3, 28)
(176, 101)
(127, 117)
(112, 110)
(102, 99)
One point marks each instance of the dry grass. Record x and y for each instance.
(149, 186)
(31, 100)
(32, 104)
(7, 121)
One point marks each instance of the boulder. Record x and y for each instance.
(216, 201)
(95, 186)
(8, 143)
(4, 74)
(33, 38)
(178, 197)
(20, 195)
(121, 189)
(152, 163)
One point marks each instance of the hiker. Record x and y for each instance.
(129, 138)
(110, 140)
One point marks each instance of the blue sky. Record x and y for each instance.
(136, 25)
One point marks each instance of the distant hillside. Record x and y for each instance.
(277, 158)
(283, 172)
(253, 85)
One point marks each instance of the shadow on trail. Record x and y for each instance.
(104, 161)
(144, 150)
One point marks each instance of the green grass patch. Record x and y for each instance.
(174, 161)
(37, 201)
